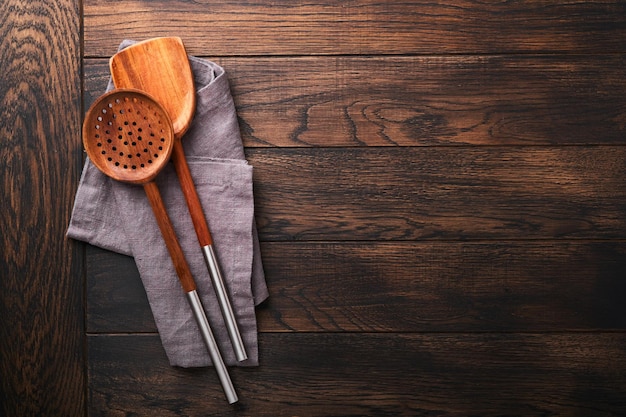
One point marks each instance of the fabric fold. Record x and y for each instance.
(117, 217)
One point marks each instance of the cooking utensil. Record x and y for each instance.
(129, 137)
(160, 67)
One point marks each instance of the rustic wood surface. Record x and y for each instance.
(361, 27)
(41, 285)
(440, 191)
(421, 100)
(362, 374)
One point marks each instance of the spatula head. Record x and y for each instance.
(160, 67)
(128, 136)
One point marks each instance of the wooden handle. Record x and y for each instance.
(191, 195)
(171, 241)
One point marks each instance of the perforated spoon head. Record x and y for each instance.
(160, 67)
(128, 136)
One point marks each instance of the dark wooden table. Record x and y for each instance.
(440, 192)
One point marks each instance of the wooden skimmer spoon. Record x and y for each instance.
(160, 67)
(129, 137)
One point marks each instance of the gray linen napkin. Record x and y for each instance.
(117, 217)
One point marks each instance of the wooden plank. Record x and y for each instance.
(421, 101)
(403, 287)
(41, 335)
(361, 26)
(409, 287)
(417, 101)
(440, 193)
(372, 374)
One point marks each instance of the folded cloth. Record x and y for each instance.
(117, 216)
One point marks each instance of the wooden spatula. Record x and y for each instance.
(160, 67)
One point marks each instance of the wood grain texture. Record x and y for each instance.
(440, 193)
(404, 287)
(451, 286)
(41, 331)
(360, 26)
(373, 374)
(421, 101)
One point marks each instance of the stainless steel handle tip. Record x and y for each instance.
(209, 340)
(224, 303)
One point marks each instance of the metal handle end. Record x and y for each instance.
(224, 302)
(209, 340)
